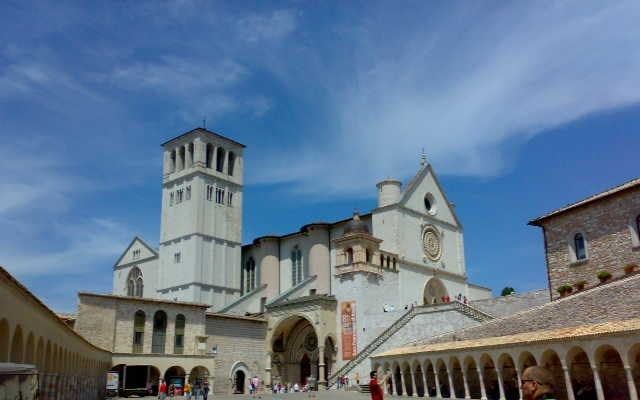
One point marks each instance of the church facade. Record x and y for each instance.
(325, 291)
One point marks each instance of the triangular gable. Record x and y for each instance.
(426, 181)
(146, 252)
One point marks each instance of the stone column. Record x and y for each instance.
(435, 374)
(633, 393)
(519, 383)
(500, 384)
(597, 383)
(214, 158)
(322, 383)
(267, 371)
(567, 383)
(394, 385)
(467, 395)
(413, 384)
(403, 383)
(452, 391)
(424, 382)
(483, 392)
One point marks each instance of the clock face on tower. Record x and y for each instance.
(431, 243)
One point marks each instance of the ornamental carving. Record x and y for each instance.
(431, 243)
(311, 342)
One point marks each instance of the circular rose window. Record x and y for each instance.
(431, 243)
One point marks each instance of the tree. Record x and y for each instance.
(507, 291)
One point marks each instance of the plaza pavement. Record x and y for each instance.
(323, 395)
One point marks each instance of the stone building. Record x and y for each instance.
(588, 339)
(314, 287)
(599, 233)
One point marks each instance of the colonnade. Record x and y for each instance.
(604, 368)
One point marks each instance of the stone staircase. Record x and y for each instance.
(465, 309)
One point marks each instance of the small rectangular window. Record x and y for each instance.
(230, 199)
(220, 195)
(209, 192)
(179, 196)
(136, 254)
(177, 257)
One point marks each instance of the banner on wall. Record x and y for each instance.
(349, 333)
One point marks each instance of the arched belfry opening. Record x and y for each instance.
(295, 352)
(434, 292)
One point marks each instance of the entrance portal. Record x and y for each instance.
(305, 369)
(238, 384)
(295, 351)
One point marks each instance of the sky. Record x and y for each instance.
(520, 107)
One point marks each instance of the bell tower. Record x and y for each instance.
(201, 221)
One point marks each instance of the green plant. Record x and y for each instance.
(507, 291)
(604, 276)
(565, 289)
(580, 285)
(629, 268)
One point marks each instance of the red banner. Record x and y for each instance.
(349, 333)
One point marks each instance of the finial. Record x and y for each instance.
(423, 158)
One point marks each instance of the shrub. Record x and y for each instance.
(580, 285)
(565, 289)
(604, 276)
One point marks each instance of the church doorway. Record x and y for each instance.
(435, 292)
(305, 369)
(238, 384)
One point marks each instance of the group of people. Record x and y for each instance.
(198, 391)
(536, 384)
(343, 382)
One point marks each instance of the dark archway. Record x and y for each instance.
(305, 369)
(238, 382)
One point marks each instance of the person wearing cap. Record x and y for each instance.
(537, 384)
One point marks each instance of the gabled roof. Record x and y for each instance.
(413, 185)
(625, 186)
(204, 130)
(138, 238)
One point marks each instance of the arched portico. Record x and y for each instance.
(295, 351)
(434, 292)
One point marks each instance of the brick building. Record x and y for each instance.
(599, 233)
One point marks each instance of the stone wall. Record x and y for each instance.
(240, 344)
(508, 305)
(611, 239)
(614, 301)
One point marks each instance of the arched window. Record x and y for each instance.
(250, 275)
(367, 255)
(232, 161)
(349, 254)
(381, 260)
(580, 246)
(173, 160)
(135, 285)
(220, 159)
(138, 331)
(159, 332)
(178, 347)
(189, 154)
(296, 266)
(209, 155)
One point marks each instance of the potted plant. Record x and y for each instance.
(580, 285)
(604, 276)
(629, 268)
(565, 290)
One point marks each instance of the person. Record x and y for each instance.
(187, 390)
(162, 390)
(537, 384)
(374, 387)
(205, 390)
(296, 387)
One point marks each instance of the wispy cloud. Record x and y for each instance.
(276, 25)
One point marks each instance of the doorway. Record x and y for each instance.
(238, 385)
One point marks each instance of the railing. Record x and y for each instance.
(465, 309)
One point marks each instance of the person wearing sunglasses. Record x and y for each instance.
(537, 384)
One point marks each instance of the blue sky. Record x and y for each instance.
(521, 107)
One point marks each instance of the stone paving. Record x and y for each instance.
(323, 395)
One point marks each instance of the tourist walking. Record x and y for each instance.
(537, 384)
(374, 387)
(187, 391)
(205, 390)
(162, 390)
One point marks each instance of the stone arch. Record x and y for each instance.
(443, 378)
(456, 377)
(330, 355)
(510, 379)
(386, 369)
(612, 374)
(293, 338)
(397, 379)
(17, 346)
(473, 377)
(430, 377)
(490, 377)
(580, 373)
(418, 376)
(406, 374)
(174, 375)
(525, 360)
(4, 340)
(551, 361)
(434, 292)
(633, 357)
(198, 374)
(158, 337)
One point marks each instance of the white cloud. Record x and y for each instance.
(256, 28)
(460, 89)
